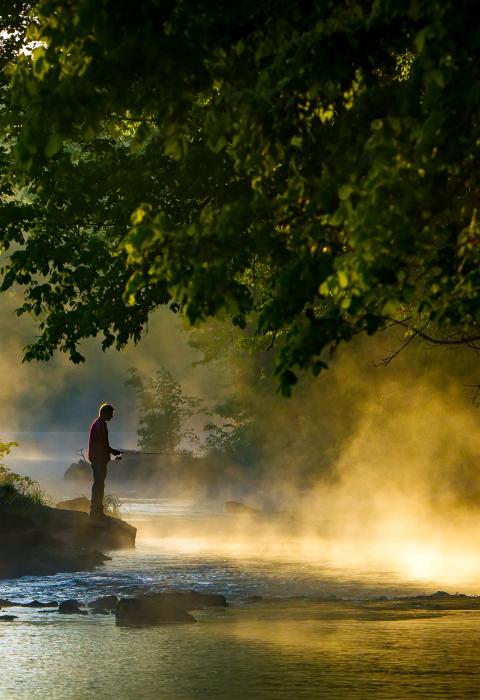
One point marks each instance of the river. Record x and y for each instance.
(284, 643)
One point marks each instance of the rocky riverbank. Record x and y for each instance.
(165, 607)
(45, 540)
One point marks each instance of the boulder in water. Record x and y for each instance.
(71, 607)
(78, 471)
(165, 607)
(150, 610)
(8, 618)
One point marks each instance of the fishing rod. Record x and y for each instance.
(141, 452)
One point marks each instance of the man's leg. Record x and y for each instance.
(98, 489)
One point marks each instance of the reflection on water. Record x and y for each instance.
(289, 648)
(232, 654)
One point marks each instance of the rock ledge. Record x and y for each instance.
(48, 541)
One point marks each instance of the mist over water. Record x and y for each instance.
(285, 644)
(366, 484)
(367, 464)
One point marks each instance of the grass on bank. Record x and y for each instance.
(19, 494)
(22, 494)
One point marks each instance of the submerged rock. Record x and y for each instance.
(38, 604)
(71, 607)
(8, 618)
(237, 508)
(192, 600)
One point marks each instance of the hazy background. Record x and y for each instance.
(384, 455)
(48, 407)
(409, 427)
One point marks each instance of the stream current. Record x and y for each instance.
(277, 639)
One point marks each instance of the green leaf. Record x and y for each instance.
(342, 279)
(54, 145)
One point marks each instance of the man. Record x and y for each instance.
(99, 452)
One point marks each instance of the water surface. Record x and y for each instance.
(287, 644)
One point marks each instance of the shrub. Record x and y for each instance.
(111, 505)
(20, 492)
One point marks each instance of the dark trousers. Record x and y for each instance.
(98, 488)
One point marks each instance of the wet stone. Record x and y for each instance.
(165, 607)
(39, 604)
(71, 607)
(104, 604)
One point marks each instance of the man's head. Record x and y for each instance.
(106, 411)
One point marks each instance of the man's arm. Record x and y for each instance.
(112, 450)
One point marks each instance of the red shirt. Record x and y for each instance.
(98, 445)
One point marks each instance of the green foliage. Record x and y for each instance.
(163, 410)
(21, 492)
(111, 505)
(236, 441)
(236, 429)
(6, 448)
(308, 170)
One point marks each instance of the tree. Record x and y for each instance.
(163, 412)
(309, 168)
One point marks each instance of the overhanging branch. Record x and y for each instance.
(469, 341)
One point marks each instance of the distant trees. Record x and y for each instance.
(308, 169)
(165, 414)
(163, 411)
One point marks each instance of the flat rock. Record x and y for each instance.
(106, 533)
(81, 504)
(111, 533)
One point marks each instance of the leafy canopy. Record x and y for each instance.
(308, 168)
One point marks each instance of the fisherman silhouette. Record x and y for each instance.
(99, 452)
